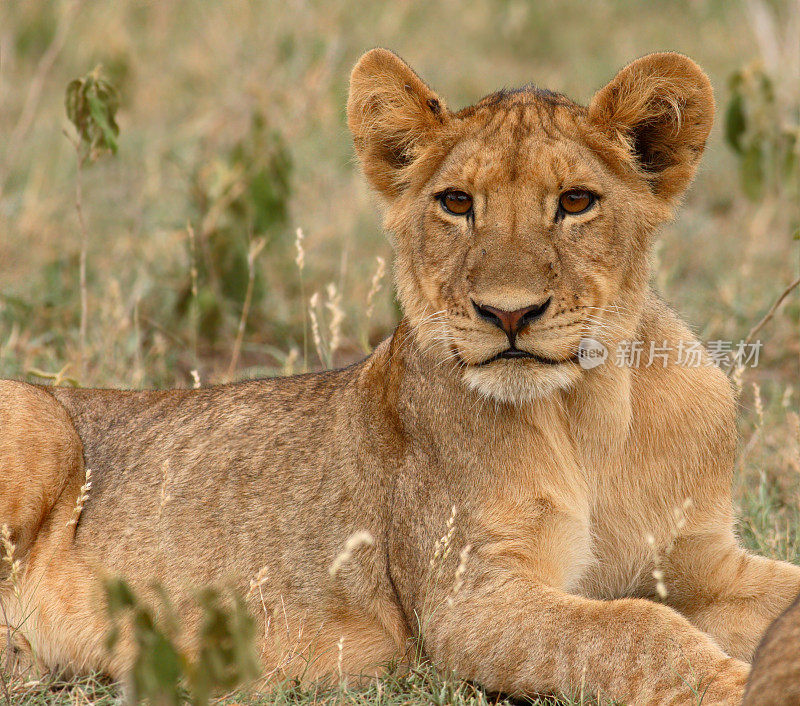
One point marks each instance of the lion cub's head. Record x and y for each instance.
(523, 223)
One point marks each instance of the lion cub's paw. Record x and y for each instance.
(727, 686)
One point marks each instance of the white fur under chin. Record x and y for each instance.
(519, 384)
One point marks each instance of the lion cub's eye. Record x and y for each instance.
(459, 203)
(576, 201)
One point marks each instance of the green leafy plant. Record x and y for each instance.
(163, 673)
(236, 199)
(92, 103)
(764, 134)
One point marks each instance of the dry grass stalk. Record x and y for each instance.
(768, 316)
(355, 542)
(300, 261)
(83, 496)
(681, 515)
(759, 404)
(193, 274)
(786, 399)
(300, 258)
(258, 581)
(9, 549)
(82, 264)
(313, 304)
(461, 569)
(442, 547)
(291, 361)
(377, 279)
(334, 306)
(340, 648)
(255, 249)
(794, 423)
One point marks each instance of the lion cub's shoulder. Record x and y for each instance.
(675, 384)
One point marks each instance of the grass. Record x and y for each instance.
(422, 686)
(228, 107)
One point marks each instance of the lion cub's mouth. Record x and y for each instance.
(516, 353)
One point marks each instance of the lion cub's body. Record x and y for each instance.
(775, 679)
(562, 493)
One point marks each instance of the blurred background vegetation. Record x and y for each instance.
(232, 126)
(232, 136)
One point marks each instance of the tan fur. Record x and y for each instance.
(775, 679)
(565, 482)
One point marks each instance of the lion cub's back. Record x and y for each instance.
(775, 676)
(210, 482)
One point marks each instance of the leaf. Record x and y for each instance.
(91, 103)
(790, 164)
(752, 172)
(105, 121)
(735, 122)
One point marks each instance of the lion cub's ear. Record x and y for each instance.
(391, 114)
(661, 108)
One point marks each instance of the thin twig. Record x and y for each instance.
(753, 331)
(255, 248)
(195, 303)
(82, 266)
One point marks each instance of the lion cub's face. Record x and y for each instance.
(522, 224)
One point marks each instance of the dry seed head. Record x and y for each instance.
(442, 547)
(195, 379)
(786, 400)
(380, 271)
(258, 581)
(451, 527)
(759, 403)
(657, 573)
(794, 423)
(313, 303)
(680, 515)
(461, 569)
(661, 588)
(340, 648)
(300, 259)
(83, 496)
(355, 542)
(8, 545)
(334, 305)
(9, 548)
(291, 361)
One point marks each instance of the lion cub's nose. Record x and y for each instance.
(512, 322)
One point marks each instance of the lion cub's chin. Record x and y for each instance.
(517, 382)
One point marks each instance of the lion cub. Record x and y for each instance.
(522, 228)
(775, 679)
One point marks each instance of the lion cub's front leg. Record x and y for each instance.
(516, 635)
(726, 591)
(514, 627)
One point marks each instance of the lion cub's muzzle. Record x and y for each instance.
(512, 322)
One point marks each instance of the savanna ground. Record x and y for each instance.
(232, 136)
